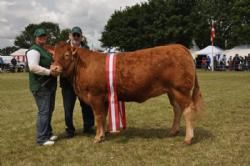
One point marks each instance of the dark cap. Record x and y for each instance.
(76, 30)
(39, 32)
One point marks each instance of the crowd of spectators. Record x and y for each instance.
(221, 63)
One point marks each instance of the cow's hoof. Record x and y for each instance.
(188, 142)
(99, 140)
(173, 133)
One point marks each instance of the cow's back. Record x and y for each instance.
(150, 72)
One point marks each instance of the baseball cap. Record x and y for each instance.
(76, 30)
(39, 32)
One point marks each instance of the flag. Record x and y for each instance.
(212, 33)
(116, 109)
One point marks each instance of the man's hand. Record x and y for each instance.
(54, 71)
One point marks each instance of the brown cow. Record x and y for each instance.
(140, 75)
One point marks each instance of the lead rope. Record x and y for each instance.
(76, 61)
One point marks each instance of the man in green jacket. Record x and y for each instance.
(43, 86)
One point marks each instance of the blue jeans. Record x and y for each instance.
(45, 101)
(69, 99)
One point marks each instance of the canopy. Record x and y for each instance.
(242, 51)
(19, 52)
(209, 50)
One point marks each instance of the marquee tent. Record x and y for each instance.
(209, 50)
(241, 50)
(19, 55)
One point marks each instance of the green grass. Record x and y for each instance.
(222, 136)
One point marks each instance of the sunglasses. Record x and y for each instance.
(76, 35)
(43, 35)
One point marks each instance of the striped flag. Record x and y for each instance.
(212, 33)
(116, 109)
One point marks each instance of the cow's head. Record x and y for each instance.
(65, 58)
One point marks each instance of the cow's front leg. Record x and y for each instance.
(98, 107)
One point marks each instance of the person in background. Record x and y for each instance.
(208, 62)
(236, 62)
(1, 64)
(43, 85)
(230, 63)
(69, 96)
(203, 62)
(14, 63)
(248, 61)
(223, 62)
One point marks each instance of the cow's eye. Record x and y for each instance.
(66, 56)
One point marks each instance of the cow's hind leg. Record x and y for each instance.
(177, 116)
(189, 119)
(184, 101)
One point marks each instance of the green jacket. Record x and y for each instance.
(38, 81)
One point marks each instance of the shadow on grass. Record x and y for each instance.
(131, 133)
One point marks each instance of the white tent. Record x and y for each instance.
(210, 50)
(19, 55)
(20, 51)
(243, 51)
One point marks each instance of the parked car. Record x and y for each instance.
(7, 66)
(21, 66)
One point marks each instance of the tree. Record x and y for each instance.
(8, 50)
(240, 23)
(26, 38)
(64, 35)
(159, 22)
(204, 12)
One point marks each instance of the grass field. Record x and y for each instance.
(222, 136)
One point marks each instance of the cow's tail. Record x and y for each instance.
(197, 98)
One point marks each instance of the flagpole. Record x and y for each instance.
(212, 40)
(212, 56)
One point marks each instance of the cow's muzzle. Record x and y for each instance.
(56, 69)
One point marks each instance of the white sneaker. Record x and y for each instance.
(53, 138)
(48, 143)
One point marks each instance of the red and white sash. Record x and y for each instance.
(116, 109)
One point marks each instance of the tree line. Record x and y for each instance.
(26, 38)
(160, 22)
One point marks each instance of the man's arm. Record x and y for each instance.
(33, 57)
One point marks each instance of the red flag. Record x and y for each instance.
(116, 109)
(212, 33)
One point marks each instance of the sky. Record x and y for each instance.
(90, 15)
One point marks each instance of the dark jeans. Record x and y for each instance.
(45, 101)
(69, 99)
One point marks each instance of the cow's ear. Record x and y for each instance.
(50, 49)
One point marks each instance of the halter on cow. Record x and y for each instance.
(140, 75)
